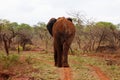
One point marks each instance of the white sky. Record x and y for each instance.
(34, 11)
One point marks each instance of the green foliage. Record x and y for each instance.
(25, 29)
(13, 26)
(40, 29)
(24, 26)
(1, 56)
(41, 24)
(4, 25)
(7, 26)
(29, 47)
(106, 25)
(29, 60)
(9, 60)
(20, 48)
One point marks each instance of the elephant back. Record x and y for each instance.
(63, 26)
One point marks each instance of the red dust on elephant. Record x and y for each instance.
(63, 31)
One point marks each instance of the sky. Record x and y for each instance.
(34, 11)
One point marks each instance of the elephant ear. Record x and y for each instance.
(50, 25)
(70, 19)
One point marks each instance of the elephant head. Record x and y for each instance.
(50, 25)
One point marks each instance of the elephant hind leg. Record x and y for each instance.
(65, 55)
(58, 52)
(66, 46)
(55, 56)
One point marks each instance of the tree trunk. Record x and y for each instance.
(72, 52)
(5, 44)
(23, 46)
(101, 38)
(78, 42)
(93, 45)
(18, 48)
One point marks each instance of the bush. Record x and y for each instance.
(29, 47)
(20, 48)
(9, 60)
(29, 59)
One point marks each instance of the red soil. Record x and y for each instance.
(65, 73)
(99, 72)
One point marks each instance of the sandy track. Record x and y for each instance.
(101, 75)
(66, 73)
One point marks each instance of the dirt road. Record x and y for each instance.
(67, 74)
(101, 75)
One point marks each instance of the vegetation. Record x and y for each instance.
(34, 42)
(34, 65)
(90, 36)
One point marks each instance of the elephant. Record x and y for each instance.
(63, 31)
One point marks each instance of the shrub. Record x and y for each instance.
(29, 47)
(20, 48)
(29, 60)
(9, 60)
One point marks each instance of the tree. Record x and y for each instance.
(25, 34)
(78, 20)
(7, 33)
(104, 34)
(41, 31)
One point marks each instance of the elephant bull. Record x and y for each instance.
(63, 31)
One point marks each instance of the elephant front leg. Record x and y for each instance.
(65, 60)
(59, 60)
(58, 53)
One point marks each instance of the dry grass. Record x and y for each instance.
(40, 66)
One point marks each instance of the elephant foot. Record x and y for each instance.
(65, 65)
(58, 65)
(62, 65)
